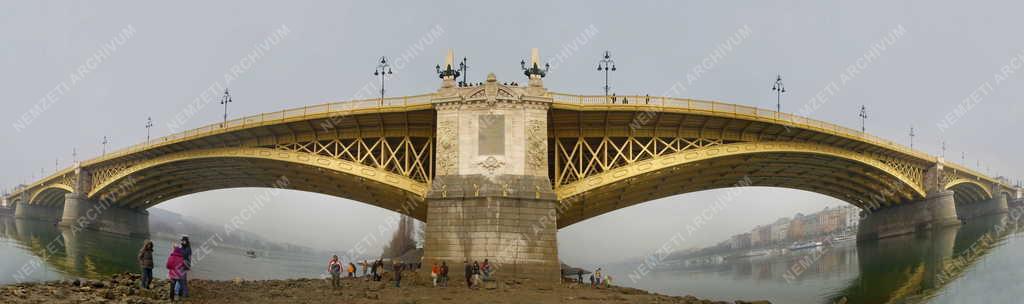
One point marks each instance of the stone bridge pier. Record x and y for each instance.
(937, 209)
(995, 205)
(81, 212)
(491, 197)
(24, 210)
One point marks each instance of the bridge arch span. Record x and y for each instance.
(178, 174)
(852, 177)
(51, 195)
(968, 190)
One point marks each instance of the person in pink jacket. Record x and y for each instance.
(175, 267)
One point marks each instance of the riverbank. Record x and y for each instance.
(123, 289)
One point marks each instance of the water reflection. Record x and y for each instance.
(910, 268)
(69, 252)
(37, 251)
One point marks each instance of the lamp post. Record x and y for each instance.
(74, 155)
(225, 100)
(149, 124)
(533, 71)
(779, 88)
(448, 72)
(104, 145)
(863, 118)
(606, 64)
(943, 149)
(911, 137)
(384, 68)
(465, 68)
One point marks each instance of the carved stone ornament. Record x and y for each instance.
(490, 164)
(535, 145)
(447, 151)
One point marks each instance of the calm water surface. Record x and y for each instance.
(974, 263)
(978, 262)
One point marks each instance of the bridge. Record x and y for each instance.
(494, 168)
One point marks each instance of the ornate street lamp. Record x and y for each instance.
(534, 68)
(383, 68)
(606, 64)
(149, 124)
(779, 88)
(465, 68)
(911, 137)
(863, 117)
(225, 100)
(105, 142)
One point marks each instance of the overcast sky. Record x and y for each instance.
(945, 52)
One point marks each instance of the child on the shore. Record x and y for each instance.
(434, 272)
(175, 269)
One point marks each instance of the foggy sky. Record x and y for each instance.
(947, 52)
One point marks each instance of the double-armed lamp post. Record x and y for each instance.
(606, 64)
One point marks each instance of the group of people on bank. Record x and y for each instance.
(596, 280)
(179, 263)
(476, 273)
(371, 270)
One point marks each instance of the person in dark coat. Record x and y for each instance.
(146, 263)
(469, 273)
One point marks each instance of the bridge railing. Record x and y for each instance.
(734, 110)
(264, 118)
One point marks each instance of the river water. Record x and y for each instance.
(977, 262)
(973, 263)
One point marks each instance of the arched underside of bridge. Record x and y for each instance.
(180, 174)
(968, 191)
(50, 196)
(857, 180)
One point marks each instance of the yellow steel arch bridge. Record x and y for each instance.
(591, 154)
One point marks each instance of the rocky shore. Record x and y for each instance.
(124, 288)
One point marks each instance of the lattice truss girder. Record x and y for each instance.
(407, 156)
(577, 158)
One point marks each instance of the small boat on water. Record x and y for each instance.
(805, 245)
(250, 253)
(843, 239)
(756, 253)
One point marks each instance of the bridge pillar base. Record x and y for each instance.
(991, 206)
(36, 212)
(80, 212)
(936, 210)
(505, 220)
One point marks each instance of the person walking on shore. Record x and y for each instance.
(334, 268)
(175, 268)
(146, 262)
(435, 271)
(365, 265)
(398, 273)
(186, 253)
(476, 274)
(579, 276)
(444, 274)
(486, 269)
(469, 273)
(351, 270)
(597, 276)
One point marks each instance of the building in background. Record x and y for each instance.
(740, 241)
(780, 231)
(761, 236)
